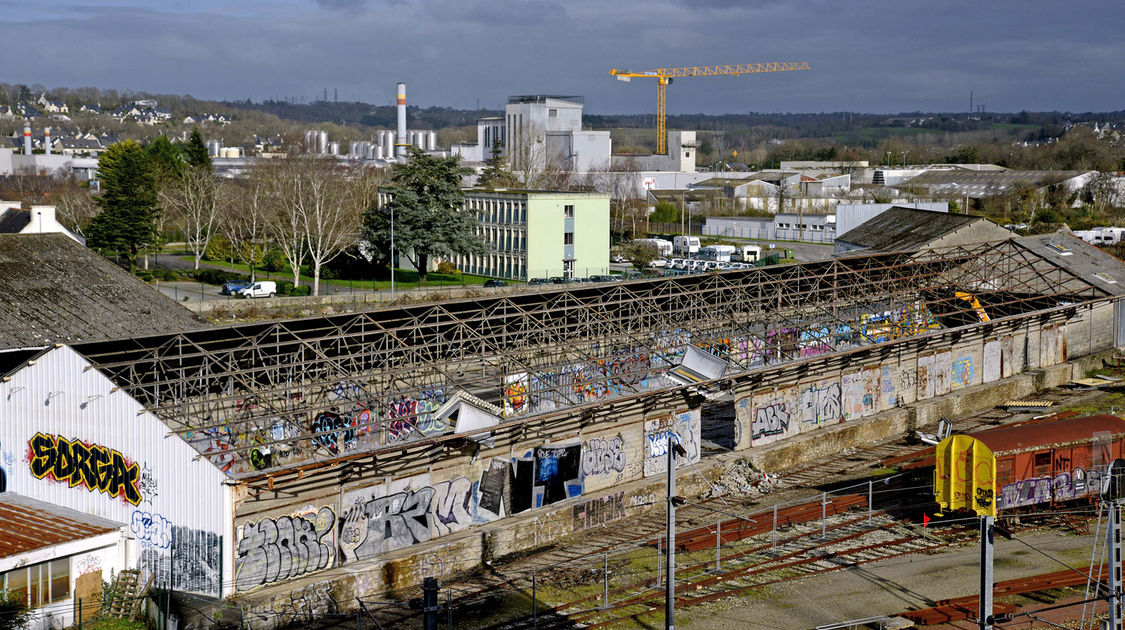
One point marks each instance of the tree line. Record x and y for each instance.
(310, 209)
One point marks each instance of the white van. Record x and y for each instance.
(265, 288)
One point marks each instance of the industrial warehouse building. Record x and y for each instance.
(284, 462)
(539, 234)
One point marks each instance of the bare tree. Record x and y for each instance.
(283, 219)
(195, 198)
(244, 220)
(74, 205)
(317, 212)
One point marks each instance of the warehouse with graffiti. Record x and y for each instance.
(252, 455)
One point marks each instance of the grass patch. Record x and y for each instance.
(103, 622)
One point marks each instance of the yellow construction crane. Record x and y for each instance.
(664, 76)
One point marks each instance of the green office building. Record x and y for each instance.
(539, 234)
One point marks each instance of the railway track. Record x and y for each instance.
(748, 562)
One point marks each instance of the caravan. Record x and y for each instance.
(661, 245)
(717, 253)
(748, 254)
(686, 245)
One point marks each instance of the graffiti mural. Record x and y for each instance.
(196, 556)
(276, 549)
(861, 393)
(558, 474)
(770, 415)
(414, 418)
(375, 522)
(88, 465)
(153, 530)
(684, 427)
(819, 403)
(603, 456)
(962, 374)
(597, 512)
(1075, 484)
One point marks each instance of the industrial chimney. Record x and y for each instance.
(47, 140)
(401, 141)
(27, 140)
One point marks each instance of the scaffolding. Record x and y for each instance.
(261, 397)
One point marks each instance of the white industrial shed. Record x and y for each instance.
(71, 438)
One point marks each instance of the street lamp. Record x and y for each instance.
(392, 252)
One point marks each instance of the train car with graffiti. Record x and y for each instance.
(1040, 463)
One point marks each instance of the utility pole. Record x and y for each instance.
(1113, 541)
(430, 606)
(674, 449)
(984, 612)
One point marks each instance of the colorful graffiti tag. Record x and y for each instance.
(89, 465)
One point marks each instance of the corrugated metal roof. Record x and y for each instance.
(54, 290)
(30, 524)
(1014, 439)
(904, 229)
(1086, 261)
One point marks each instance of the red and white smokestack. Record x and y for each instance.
(47, 140)
(401, 140)
(27, 140)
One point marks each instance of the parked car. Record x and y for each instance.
(618, 258)
(557, 280)
(597, 278)
(232, 287)
(538, 281)
(493, 282)
(265, 288)
(658, 263)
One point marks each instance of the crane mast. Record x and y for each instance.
(664, 76)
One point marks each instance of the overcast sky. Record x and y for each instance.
(866, 55)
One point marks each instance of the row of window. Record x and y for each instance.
(804, 226)
(40, 584)
(493, 265)
(504, 240)
(495, 211)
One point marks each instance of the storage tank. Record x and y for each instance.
(389, 145)
(432, 141)
(334, 148)
(322, 142)
(213, 147)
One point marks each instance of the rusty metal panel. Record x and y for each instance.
(30, 524)
(73, 439)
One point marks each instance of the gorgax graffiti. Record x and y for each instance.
(80, 464)
(275, 549)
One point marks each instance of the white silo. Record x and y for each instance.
(389, 145)
(432, 141)
(334, 148)
(378, 153)
(322, 142)
(213, 147)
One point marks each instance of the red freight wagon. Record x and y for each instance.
(1053, 460)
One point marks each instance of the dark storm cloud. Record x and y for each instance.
(878, 56)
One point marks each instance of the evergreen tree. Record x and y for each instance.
(430, 218)
(166, 159)
(195, 151)
(496, 173)
(127, 221)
